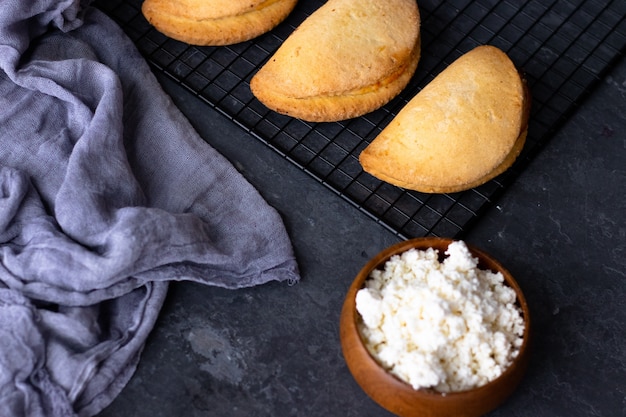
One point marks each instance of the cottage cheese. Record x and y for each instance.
(444, 325)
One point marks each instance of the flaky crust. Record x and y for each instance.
(215, 22)
(348, 58)
(464, 128)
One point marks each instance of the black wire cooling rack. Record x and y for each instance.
(563, 46)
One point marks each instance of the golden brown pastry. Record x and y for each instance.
(215, 22)
(467, 126)
(348, 58)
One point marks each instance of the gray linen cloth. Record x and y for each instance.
(107, 194)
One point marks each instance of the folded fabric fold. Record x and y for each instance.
(107, 195)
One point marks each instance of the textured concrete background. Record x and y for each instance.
(274, 350)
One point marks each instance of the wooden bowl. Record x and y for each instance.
(401, 398)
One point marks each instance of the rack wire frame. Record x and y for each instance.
(564, 48)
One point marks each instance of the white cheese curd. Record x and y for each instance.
(445, 325)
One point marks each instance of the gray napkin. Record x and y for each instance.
(107, 194)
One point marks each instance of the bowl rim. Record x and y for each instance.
(349, 317)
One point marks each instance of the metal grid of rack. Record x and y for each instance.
(564, 47)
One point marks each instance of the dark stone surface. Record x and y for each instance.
(274, 350)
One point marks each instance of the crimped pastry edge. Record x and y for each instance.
(437, 189)
(506, 162)
(222, 31)
(341, 105)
